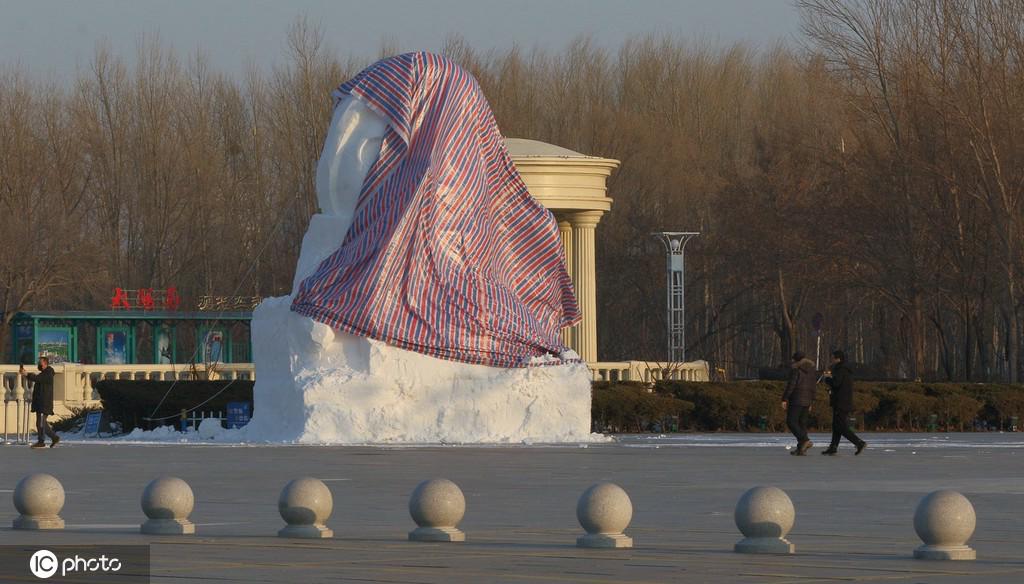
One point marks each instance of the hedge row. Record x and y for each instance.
(742, 406)
(668, 406)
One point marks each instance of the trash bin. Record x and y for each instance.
(762, 423)
(1013, 423)
(852, 421)
(933, 422)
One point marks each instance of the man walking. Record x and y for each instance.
(797, 400)
(840, 381)
(42, 401)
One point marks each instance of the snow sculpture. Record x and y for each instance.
(431, 288)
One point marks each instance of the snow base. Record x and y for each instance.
(318, 386)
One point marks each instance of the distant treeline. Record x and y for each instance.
(756, 406)
(872, 172)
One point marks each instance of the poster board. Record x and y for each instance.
(214, 345)
(57, 343)
(115, 345)
(165, 345)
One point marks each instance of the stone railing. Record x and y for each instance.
(648, 371)
(74, 384)
(74, 387)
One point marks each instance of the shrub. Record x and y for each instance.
(75, 420)
(633, 407)
(881, 405)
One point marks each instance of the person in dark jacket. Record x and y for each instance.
(840, 381)
(42, 401)
(798, 398)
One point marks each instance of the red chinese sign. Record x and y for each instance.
(145, 299)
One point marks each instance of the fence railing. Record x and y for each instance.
(648, 371)
(75, 385)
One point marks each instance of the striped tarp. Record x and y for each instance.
(448, 254)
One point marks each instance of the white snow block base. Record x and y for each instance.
(318, 386)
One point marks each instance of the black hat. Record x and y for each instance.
(798, 356)
(839, 355)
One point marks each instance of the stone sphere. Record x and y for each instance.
(604, 508)
(437, 503)
(765, 512)
(39, 495)
(168, 498)
(305, 501)
(944, 518)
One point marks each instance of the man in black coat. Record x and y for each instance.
(840, 381)
(42, 401)
(798, 398)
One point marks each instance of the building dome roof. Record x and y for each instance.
(523, 148)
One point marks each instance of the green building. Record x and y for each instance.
(132, 336)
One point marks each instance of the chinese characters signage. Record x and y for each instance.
(145, 299)
(228, 302)
(170, 299)
(239, 414)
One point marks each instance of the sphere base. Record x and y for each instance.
(33, 522)
(604, 540)
(945, 552)
(452, 534)
(764, 545)
(168, 527)
(306, 532)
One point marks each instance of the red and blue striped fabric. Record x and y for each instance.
(448, 254)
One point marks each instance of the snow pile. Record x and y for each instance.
(316, 385)
(210, 429)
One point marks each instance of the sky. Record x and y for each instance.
(54, 38)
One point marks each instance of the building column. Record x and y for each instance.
(565, 231)
(585, 280)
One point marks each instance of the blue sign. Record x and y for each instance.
(239, 414)
(92, 423)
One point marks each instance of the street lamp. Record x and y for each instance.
(675, 246)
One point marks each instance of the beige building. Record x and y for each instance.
(574, 187)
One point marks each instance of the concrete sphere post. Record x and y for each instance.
(764, 515)
(944, 520)
(437, 506)
(39, 498)
(167, 502)
(604, 510)
(305, 504)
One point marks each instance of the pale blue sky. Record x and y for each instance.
(52, 38)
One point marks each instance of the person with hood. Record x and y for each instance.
(840, 381)
(797, 400)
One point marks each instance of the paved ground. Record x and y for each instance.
(854, 514)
